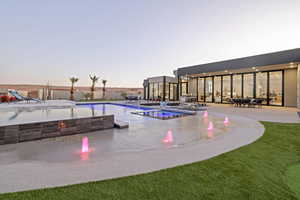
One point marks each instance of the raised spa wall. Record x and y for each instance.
(34, 131)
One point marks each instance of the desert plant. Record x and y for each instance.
(124, 95)
(87, 96)
(103, 89)
(94, 80)
(73, 81)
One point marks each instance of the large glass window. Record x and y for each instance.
(201, 89)
(184, 89)
(226, 89)
(160, 91)
(173, 91)
(167, 86)
(156, 92)
(248, 85)
(275, 90)
(151, 89)
(208, 89)
(217, 88)
(192, 87)
(262, 85)
(237, 86)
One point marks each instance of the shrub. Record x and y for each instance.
(4, 98)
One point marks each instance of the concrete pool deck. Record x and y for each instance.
(58, 162)
(266, 113)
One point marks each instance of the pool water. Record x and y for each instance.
(29, 115)
(161, 114)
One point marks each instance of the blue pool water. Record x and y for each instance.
(120, 111)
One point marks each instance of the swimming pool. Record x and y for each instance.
(121, 112)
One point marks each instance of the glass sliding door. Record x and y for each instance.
(248, 85)
(156, 92)
(217, 89)
(183, 88)
(167, 87)
(151, 91)
(192, 84)
(226, 89)
(237, 86)
(275, 90)
(173, 91)
(208, 89)
(201, 89)
(262, 86)
(160, 91)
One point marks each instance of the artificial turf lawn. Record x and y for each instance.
(255, 171)
(293, 179)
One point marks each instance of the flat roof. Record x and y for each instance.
(280, 57)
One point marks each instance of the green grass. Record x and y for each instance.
(293, 179)
(255, 171)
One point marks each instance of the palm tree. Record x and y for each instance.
(104, 84)
(73, 81)
(94, 80)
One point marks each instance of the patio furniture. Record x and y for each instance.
(19, 97)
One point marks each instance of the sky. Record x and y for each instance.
(126, 41)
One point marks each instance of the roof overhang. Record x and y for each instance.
(270, 60)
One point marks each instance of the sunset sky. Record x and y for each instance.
(128, 41)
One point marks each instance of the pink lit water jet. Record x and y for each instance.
(205, 114)
(85, 145)
(226, 121)
(210, 126)
(169, 137)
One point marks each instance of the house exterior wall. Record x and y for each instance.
(290, 87)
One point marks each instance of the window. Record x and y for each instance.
(201, 89)
(167, 86)
(237, 86)
(151, 89)
(192, 87)
(184, 89)
(226, 89)
(217, 88)
(248, 85)
(156, 92)
(173, 91)
(275, 91)
(208, 89)
(262, 85)
(160, 91)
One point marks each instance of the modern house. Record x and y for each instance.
(163, 88)
(273, 77)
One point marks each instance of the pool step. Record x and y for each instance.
(121, 124)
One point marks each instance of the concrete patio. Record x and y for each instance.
(58, 161)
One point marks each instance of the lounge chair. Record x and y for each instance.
(19, 97)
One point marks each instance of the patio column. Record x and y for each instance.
(298, 86)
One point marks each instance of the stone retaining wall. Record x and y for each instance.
(33, 131)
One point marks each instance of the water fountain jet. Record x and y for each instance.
(169, 137)
(85, 145)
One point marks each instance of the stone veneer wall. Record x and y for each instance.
(298, 87)
(34, 131)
